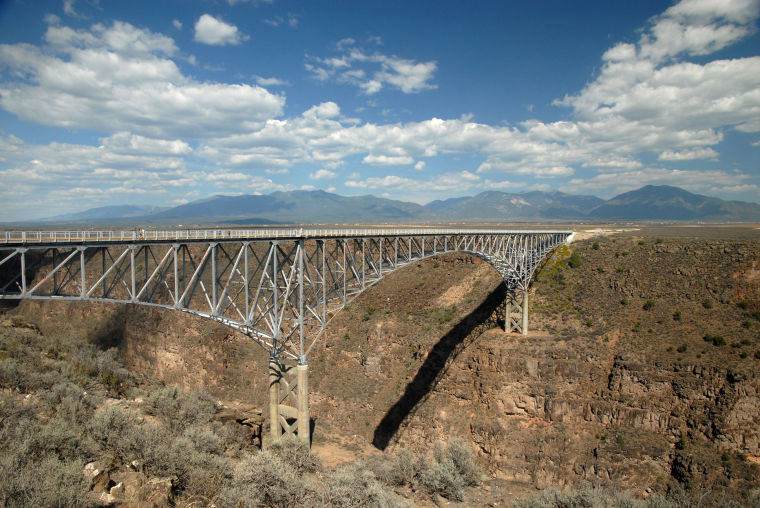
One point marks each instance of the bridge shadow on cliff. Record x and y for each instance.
(437, 363)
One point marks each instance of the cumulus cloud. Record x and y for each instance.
(323, 174)
(215, 32)
(270, 81)
(121, 78)
(371, 72)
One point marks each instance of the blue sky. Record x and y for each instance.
(107, 102)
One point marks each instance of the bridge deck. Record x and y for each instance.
(14, 238)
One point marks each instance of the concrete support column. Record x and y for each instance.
(525, 313)
(508, 314)
(304, 420)
(274, 399)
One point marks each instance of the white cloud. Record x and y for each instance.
(372, 72)
(280, 171)
(119, 78)
(419, 165)
(502, 185)
(687, 155)
(262, 81)
(387, 160)
(386, 182)
(323, 174)
(215, 32)
(695, 181)
(177, 24)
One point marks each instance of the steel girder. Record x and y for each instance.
(281, 291)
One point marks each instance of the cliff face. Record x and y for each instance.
(622, 380)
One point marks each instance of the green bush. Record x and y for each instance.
(648, 305)
(575, 260)
(717, 340)
(368, 311)
(595, 246)
(677, 315)
(445, 315)
(682, 348)
(707, 303)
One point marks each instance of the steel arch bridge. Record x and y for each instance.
(280, 287)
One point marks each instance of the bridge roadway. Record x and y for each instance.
(279, 286)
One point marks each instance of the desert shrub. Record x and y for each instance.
(682, 348)
(296, 453)
(746, 324)
(756, 315)
(114, 430)
(575, 260)
(264, 479)
(716, 340)
(204, 440)
(707, 303)
(624, 301)
(445, 315)
(461, 454)
(179, 409)
(648, 305)
(442, 478)
(588, 497)
(743, 305)
(405, 467)
(70, 402)
(47, 482)
(453, 469)
(59, 438)
(677, 315)
(368, 311)
(352, 485)
(595, 246)
(757, 354)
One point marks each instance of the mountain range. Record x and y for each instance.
(647, 203)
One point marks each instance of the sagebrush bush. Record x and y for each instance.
(48, 481)
(352, 485)
(178, 409)
(405, 467)
(297, 453)
(264, 479)
(114, 430)
(442, 478)
(588, 497)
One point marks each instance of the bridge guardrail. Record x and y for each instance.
(141, 235)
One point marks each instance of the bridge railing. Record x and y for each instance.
(141, 235)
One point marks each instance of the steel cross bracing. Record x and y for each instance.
(279, 287)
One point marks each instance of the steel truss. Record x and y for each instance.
(280, 288)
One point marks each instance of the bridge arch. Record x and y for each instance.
(279, 287)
